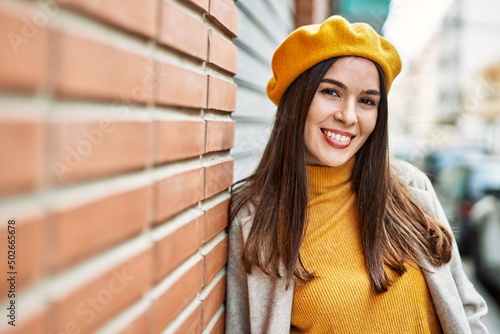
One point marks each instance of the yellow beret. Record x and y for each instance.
(335, 37)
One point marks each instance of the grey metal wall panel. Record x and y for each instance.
(263, 24)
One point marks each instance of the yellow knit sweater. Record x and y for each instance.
(340, 299)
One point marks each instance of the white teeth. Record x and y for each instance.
(337, 137)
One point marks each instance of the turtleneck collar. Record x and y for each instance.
(324, 179)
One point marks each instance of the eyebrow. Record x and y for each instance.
(371, 92)
(343, 86)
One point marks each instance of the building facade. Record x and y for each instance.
(448, 95)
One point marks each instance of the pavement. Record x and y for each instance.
(492, 319)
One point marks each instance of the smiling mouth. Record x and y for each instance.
(337, 137)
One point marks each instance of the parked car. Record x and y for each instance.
(486, 217)
(459, 187)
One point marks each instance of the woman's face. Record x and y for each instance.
(343, 112)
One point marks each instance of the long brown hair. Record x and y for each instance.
(394, 230)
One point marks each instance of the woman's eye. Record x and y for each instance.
(367, 101)
(329, 91)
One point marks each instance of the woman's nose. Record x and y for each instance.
(346, 114)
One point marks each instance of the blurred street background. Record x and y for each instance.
(445, 110)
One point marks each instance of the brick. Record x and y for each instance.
(32, 255)
(24, 47)
(21, 172)
(213, 301)
(219, 327)
(193, 323)
(36, 323)
(220, 135)
(177, 297)
(182, 87)
(202, 4)
(221, 94)
(139, 324)
(222, 52)
(225, 13)
(179, 140)
(322, 9)
(216, 220)
(91, 227)
(214, 261)
(176, 247)
(93, 69)
(96, 148)
(30, 251)
(308, 12)
(135, 16)
(95, 302)
(191, 39)
(218, 177)
(177, 192)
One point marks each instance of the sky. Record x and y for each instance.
(411, 23)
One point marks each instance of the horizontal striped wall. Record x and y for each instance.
(263, 25)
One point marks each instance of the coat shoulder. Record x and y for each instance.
(409, 174)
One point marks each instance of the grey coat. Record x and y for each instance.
(257, 304)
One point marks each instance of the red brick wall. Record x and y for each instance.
(312, 11)
(115, 130)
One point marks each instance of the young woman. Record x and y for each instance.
(328, 235)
